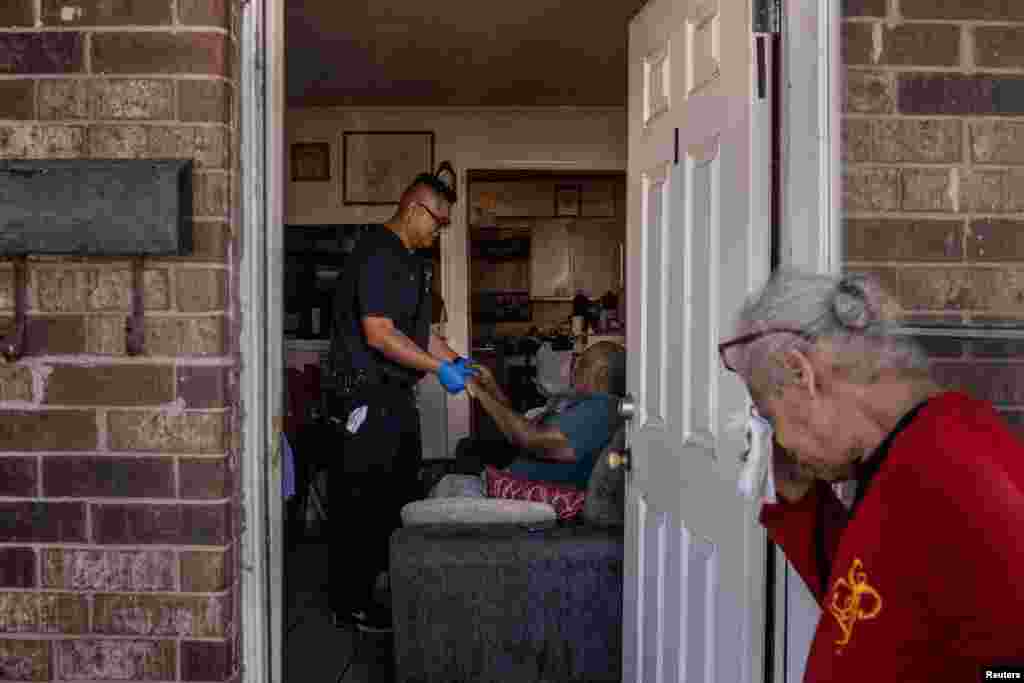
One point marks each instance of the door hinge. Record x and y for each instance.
(762, 69)
(675, 143)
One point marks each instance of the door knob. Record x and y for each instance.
(627, 407)
(617, 459)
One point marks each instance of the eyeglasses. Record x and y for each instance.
(754, 336)
(442, 221)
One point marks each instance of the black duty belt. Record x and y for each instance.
(350, 382)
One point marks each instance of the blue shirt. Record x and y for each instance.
(588, 425)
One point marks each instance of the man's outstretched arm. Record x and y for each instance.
(544, 441)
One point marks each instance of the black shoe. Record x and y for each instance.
(374, 619)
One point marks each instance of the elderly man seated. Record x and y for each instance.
(560, 442)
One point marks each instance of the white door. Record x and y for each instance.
(698, 240)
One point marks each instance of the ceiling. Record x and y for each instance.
(457, 52)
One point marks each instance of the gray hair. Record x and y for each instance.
(853, 314)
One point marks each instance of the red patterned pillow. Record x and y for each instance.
(567, 500)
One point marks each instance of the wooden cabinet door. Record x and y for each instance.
(550, 267)
(596, 256)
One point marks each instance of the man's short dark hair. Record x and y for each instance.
(436, 181)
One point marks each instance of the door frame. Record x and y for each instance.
(811, 238)
(260, 210)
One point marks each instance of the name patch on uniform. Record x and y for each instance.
(853, 600)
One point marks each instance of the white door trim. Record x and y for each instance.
(261, 203)
(811, 237)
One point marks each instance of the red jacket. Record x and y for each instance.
(926, 579)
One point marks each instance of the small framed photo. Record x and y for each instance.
(567, 200)
(311, 161)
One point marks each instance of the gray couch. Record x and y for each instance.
(480, 603)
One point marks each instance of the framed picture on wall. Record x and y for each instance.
(311, 161)
(379, 165)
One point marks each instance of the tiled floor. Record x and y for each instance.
(315, 651)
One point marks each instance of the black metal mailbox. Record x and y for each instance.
(110, 207)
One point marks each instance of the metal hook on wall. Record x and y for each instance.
(135, 342)
(13, 345)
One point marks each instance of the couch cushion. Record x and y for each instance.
(566, 500)
(605, 504)
(476, 511)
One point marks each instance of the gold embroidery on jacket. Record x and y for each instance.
(853, 600)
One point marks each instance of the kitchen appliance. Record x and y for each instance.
(501, 305)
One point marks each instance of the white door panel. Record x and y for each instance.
(696, 246)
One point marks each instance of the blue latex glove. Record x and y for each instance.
(453, 377)
(464, 363)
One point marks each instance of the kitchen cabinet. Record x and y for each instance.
(595, 255)
(551, 259)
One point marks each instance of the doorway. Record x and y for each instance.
(809, 242)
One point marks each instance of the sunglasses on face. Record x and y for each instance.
(724, 347)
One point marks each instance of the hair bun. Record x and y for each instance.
(850, 304)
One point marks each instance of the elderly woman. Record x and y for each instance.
(920, 580)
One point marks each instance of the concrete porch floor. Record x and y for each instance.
(314, 650)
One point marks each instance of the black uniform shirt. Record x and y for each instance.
(380, 278)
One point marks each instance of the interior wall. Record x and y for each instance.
(573, 139)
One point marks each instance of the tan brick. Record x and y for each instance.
(153, 615)
(869, 92)
(42, 141)
(118, 141)
(172, 142)
(116, 385)
(982, 191)
(871, 189)
(211, 193)
(185, 336)
(1014, 190)
(921, 45)
(115, 660)
(15, 383)
(138, 98)
(211, 147)
(857, 43)
(55, 335)
(209, 242)
(997, 142)
(200, 291)
(203, 100)
(858, 139)
(204, 571)
(935, 289)
(25, 660)
(106, 13)
(162, 53)
(111, 289)
(999, 46)
(926, 190)
(43, 613)
(17, 99)
(6, 288)
(52, 430)
(64, 99)
(204, 13)
(903, 239)
(1000, 290)
(106, 334)
(17, 13)
(917, 140)
(158, 431)
(997, 10)
(109, 570)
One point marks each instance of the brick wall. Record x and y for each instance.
(118, 498)
(934, 172)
